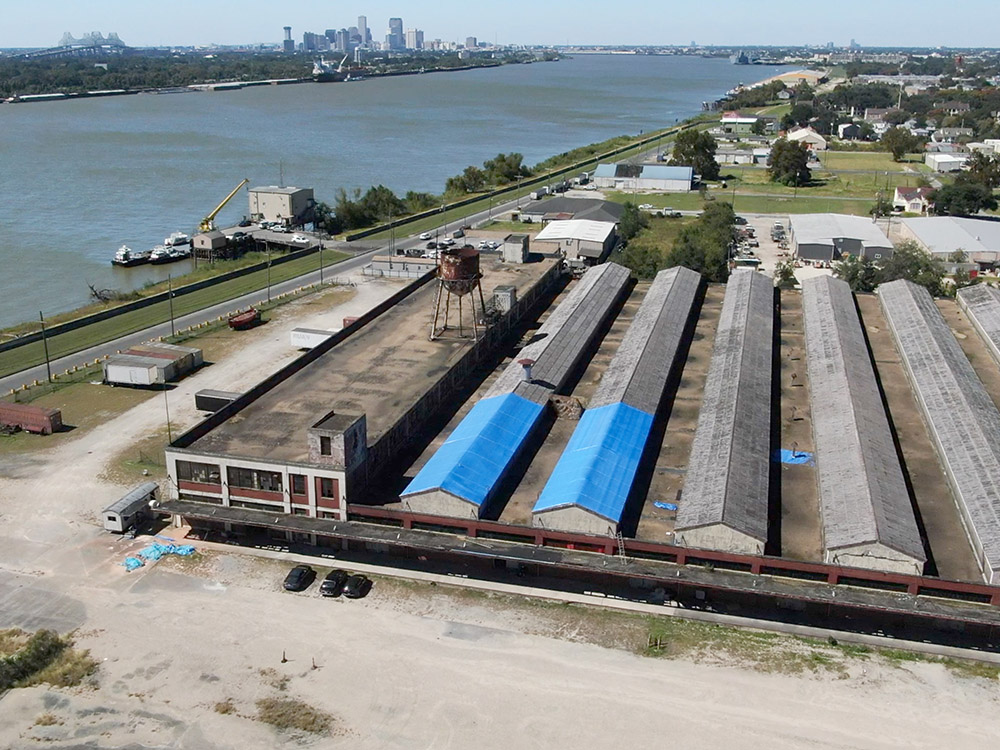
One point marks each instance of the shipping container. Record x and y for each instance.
(209, 400)
(30, 418)
(309, 338)
(132, 369)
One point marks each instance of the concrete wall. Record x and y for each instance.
(875, 557)
(440, 503)
(720, 537)
(575, 519)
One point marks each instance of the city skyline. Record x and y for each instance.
(730, 23)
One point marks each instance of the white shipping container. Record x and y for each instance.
(132, 374)
(309, 338)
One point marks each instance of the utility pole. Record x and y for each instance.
(268, 273)
(166, 409)
(321, 263)
(170, 299)
(45, 345)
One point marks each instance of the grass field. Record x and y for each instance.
(869, 161)
(757, 204)
(824, 184)
(30, 355)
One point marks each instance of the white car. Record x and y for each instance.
(300, 238)
(645, 206)
(425, 235)
(448, 241)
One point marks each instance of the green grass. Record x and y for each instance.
(868, 160)
(30, 355)
(762, 204)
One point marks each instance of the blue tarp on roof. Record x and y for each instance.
(597, 469)
(476, 455)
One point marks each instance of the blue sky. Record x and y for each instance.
(141, 22)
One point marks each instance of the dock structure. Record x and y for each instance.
(463, 475)
(591, 483)
(981, 303)
(865, 507)
(724, 501)
(962, 420)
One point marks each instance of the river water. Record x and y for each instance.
(80, 178)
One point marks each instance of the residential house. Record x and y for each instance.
(912, 200)
(848, 131)
(953, 108)
(812, 140)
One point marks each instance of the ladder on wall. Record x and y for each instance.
(621, 547)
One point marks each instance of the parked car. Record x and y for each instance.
(425, 235)
(458, 233)
(299, 578)
(357, 586)
(740, 220)
(281, 229)
(447, 241)
(645, 206)
(300, 238)
(245, 223)
(333, 584)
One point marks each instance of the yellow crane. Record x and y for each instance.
(208, 223)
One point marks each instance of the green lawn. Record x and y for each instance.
(763, 204)
(836, 184)
(869, 161)
(30, 355)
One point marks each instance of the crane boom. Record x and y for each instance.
(208, 223)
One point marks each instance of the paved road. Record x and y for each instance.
(344, 268)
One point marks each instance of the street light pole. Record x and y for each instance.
(321, 263)
(170, 300)
(268, 273)
(45, 345)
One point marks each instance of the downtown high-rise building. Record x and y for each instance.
(363, 32)
(395, 39)
(414, 39)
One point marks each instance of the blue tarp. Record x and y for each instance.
(478, 453)
(156, 551)
(793, 457)
(131, 563)
(665, 506)
(597, 469)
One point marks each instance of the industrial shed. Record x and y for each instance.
(865, 508)
(962, 420)
(981, 303)
(581, 241)
(590, 485)
(724, 501)
(943, 235)
(285, 205)
(463, 475)
(668, 179)
(827, 237)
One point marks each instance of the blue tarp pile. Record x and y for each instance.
(794, 457)
(154, 552)
(664, 506)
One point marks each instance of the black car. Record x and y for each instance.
(357, 586)
(740, 220)
(246, 223)
(299, 578)
(333, 584)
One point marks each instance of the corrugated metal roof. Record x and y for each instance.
(982, 304)
(477, 454)
(811, 229)
(638, 373)
(576, 229)
(727, 476)
(663, 172)
(943, 235)
(605, 170)
(596, 470)
(863, 495)
(962, 419)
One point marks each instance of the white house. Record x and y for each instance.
(945, 162)
(914, 200)
(813, 140)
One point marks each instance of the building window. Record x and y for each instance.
(298, 484)
(300, 511)
(189, 471)
(325, 446)
(328, 514)
(253, 506)
(254, 479)
(327, 487)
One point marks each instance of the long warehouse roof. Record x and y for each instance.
(962, 419)
(598, 467)
(809, 229)
(475, 458)
(982, 304)
(727, 477)
(863, 495)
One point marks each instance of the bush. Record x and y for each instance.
(40, 651)
(288, 713)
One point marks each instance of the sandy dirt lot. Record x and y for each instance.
(408, 667)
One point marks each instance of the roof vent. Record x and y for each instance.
(526, 371)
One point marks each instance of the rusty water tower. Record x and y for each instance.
(458, 276)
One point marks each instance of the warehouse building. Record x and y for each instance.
(945, 162)
(865, 508)
(724, 501)
(941, 236)
(644, 177)
(981, 303)
(462, 477)
(828, 237)
(592, 481)
(290, 206)
(561, 208)
(579, 241)
(309, 438)
(962, 420)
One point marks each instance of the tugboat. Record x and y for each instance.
(127, 257)
(177, 239)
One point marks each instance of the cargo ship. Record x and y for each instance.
(127, 257)
(326, 72)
